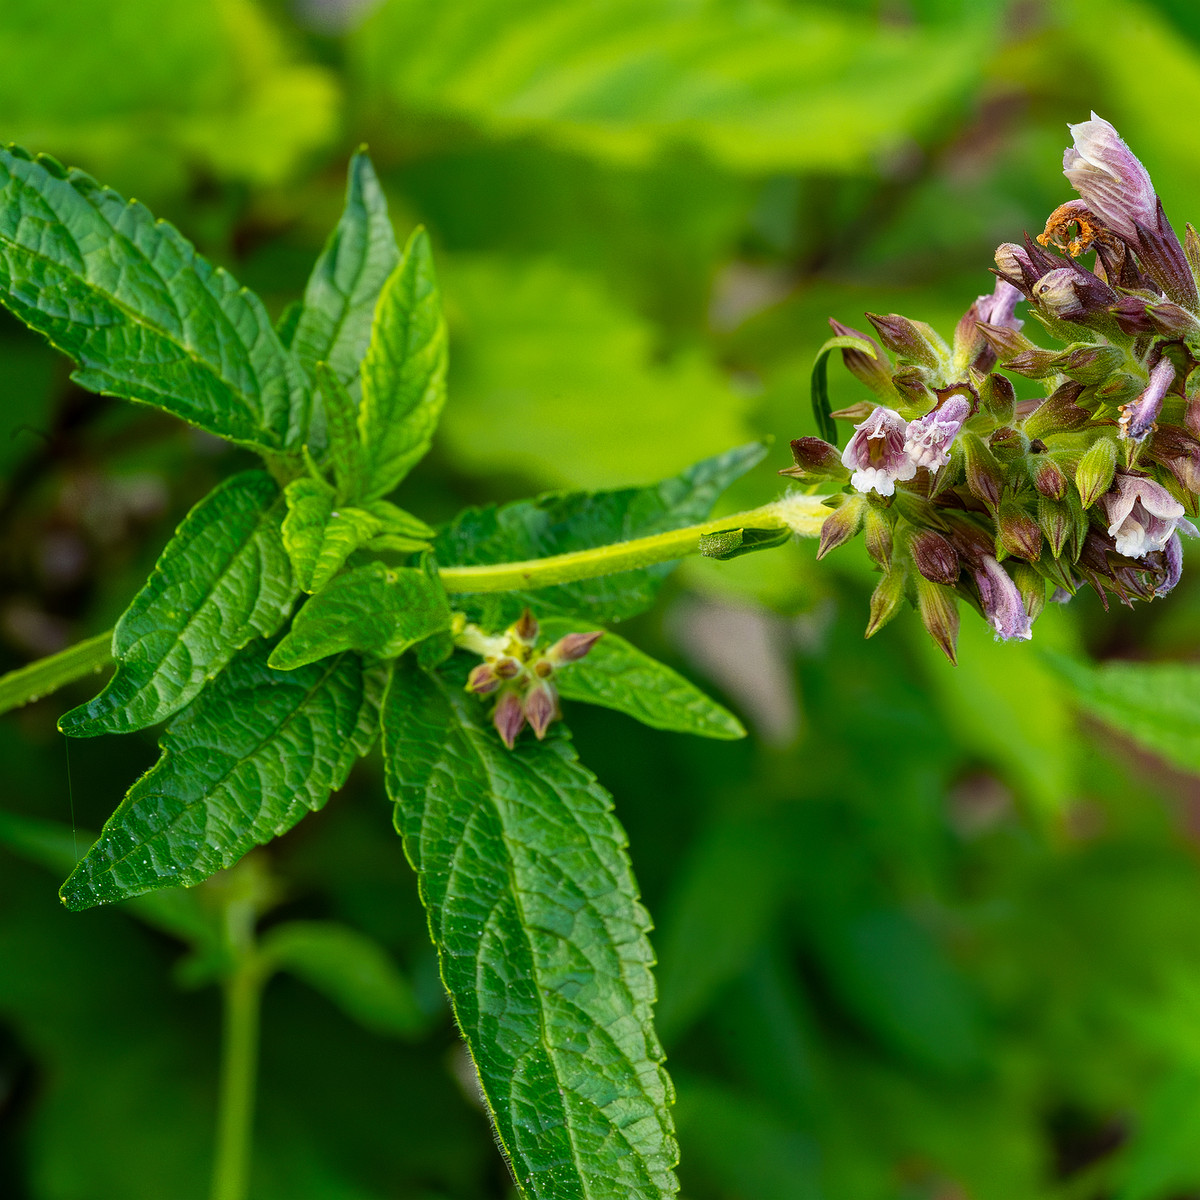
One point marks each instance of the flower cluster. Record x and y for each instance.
(518, 674)
(965, 492)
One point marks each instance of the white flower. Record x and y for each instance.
(1142, 515)
(875, 454)
(928, 440)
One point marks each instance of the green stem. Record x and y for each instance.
(803, 515)
(49, 674)
(239, 1060)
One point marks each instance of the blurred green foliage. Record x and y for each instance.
(932, 934)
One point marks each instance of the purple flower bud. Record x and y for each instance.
(1032, 588)
(1072, 294)
(971, 347)
(1136, 314)
(526, 628)
(1001, 601)
(985, 476)
(913, 340)
(573, 647)
(1060, 413)
(1015, 265)
(482, 680)
(1018, 531)
(815, 457)
(1179, 453)
(1142, 515)
(1048, 477)
(939, 615)
(1137, 419)
(509, 718)
(1006, 343)
(928, 440)
(935, 557)
(875, 454)
(506, 668)
(541, 707)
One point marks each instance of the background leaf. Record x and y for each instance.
(222, 581)
(546, 960)
(254, 754)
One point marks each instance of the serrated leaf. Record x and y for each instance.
(733, 543)
(334, 325)
(256, 751)
(542, 943)
(373, 609)
(615, 674)
(1155, 704)
(826, 426)
(222, 581)
(558, 522)
(144, 316)
(404, 371)
(400, 531)
(350, 969)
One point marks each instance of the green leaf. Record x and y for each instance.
(563, 521)
(404, 371)
(400, 531)
(350, 969)
(615, 674)
(222, 581)
(341, 422)
(242, 765)
(760, 88)
(826, 426)
(372, 609)
(733, 543)
(343, 290)
(1155, 704)
(542, 943)
(144, 316)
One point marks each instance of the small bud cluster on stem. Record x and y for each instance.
(963, 492)
(520, 674)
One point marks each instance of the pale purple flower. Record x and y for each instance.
(929, 438)
(1173, 564)
(875, 454)
(1109, 177)
(1000, 307)
(997, 310)
(1001, 601)
(1142, 515)
(1138, 416)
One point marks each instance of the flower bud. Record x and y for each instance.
(1095, 471)
(1016, 265)
(1032, 587)
(996, 396)
(878, 537)
(1001, 602)
(573, 647)
(815, 457)
(939, 615)
(1054, 520)
(1036, 363)
(509, 718)
(1072, 294)
(1136, 315)
(540, 707)
(912, 388)
(934, 556)
(525, 630)
(886, 600)
(1006, 343)
(913, 340)
(1048, 477)
(985, 477)
(1179, 453)
(1060, 413)
(1118, 388)
(1091, 364)
(875, 372)
(482, 679)
(1016, 531)
(842, 524)
(506, 667)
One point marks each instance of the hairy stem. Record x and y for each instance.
(803, 515)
